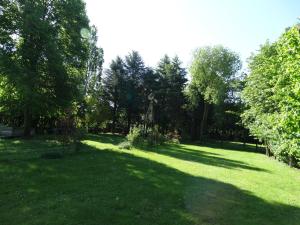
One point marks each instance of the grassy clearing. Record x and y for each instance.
(171, 184)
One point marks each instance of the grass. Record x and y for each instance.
(168, 185)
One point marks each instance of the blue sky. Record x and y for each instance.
(158, 27)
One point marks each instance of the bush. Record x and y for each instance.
(135, 136)
(154, 137)
(125, 145)
(173, 137)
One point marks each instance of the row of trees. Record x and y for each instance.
(272, 96)
(132, 89)
(134, 94)
(51, 71)
(209, 105)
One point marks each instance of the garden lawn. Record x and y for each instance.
(168, 185)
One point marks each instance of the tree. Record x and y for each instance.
(272, 96)
(149, 93)
(258, 95)
(42, 54)
(211, 70)
(287, 92)
(92, 83)
(135, 69)
(114, 88)
(95, 61)
(170, 94)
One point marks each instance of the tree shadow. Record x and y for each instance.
(187, 154)
(203, 157)
(106, 138)
(117, 188)
(21, 149)
(232, 146)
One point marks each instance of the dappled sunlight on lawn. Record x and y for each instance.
(241, 170)
(169, 184)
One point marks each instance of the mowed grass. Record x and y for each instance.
(168, 185)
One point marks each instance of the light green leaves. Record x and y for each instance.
(272, 94)
(211, 70)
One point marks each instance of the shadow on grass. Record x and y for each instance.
(21, 149)
(203, 157)
(184, 153)
(187, 154)
(107, 138)
(107, 187)
(232, 146)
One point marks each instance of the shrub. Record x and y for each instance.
(125, 145)
(173, 137)
(154, 137)
(135, 136)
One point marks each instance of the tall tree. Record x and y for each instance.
(92, 91)
(135, 69)
(42, 53)
(272, 96)
(211, 70)
(258, 95)
(149, 94)
(94, 64)
(114, 88)
(171, 97)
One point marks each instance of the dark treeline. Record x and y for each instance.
(133, 92)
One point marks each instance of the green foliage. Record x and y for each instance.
(212, 69)
(125, 145)
(42, 55)
(93, 110)
(272, 96)
(155, 137)
(135, 69)
(173, 137)
(97, 111)
(214, 77)
(128, 85)
(135, 136)
(113, 89)
(92, 82)
(169, 95)
(139, 137)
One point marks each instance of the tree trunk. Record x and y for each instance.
(268, 152)
(244, 139)
(292, 161)
(128, 120)
(204, 120)
(193, 129)
(114, 119)
(27, 122)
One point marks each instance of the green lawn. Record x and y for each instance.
(169, 185)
